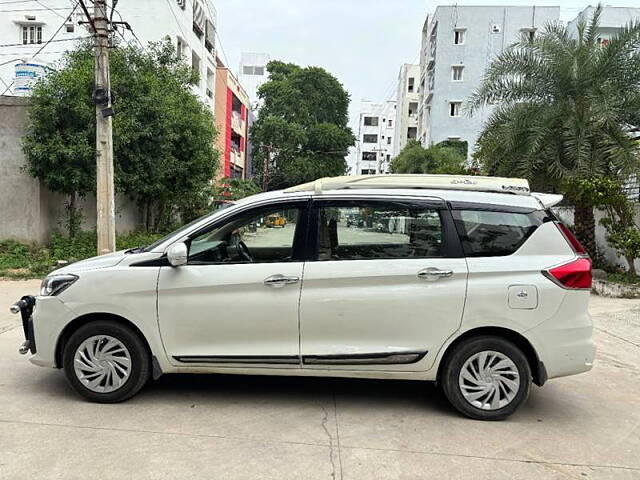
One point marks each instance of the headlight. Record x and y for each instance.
(55, 284)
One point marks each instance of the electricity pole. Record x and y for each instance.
(105, 202)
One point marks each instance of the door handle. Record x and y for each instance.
(433, 273)
(279, 281)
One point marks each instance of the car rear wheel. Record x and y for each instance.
(106, 361)
(486, 378)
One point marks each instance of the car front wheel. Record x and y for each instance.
(486, 378)
(106, 361)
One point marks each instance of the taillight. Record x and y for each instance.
(575, 274)
(573, 241)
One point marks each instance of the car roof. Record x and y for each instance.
(488, 198)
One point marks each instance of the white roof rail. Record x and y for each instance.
(517, 186)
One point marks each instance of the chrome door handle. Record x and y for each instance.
(279, 281)
(433, 273)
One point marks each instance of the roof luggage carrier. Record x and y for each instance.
(518, 186)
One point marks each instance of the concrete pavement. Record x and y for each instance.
(248, 427)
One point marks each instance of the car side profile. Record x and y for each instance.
(470, 282)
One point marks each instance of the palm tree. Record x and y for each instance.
(568, 109)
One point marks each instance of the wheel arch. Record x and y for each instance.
(78, 322)
(538, 370)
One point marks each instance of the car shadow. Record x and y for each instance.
(290, 389)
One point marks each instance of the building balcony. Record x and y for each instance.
(236, 157)
(237, 123)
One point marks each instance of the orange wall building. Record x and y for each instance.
(231, 105)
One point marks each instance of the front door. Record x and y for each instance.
(386, 289)
(236, 299)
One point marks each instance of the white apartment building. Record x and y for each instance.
(252, 74)
(458, 43)
(27, 25)
(612, 19)
(376, 136)
(407, 98)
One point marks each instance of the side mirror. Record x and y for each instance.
(178, 254)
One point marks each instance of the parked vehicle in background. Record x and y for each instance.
(275, 221)
(472, 283)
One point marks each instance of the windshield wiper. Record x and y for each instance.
(136, 249)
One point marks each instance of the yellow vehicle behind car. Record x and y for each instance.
(275, 221)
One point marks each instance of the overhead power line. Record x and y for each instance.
(50, 41)
(34, 9)
(49, 8)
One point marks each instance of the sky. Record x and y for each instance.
(361, 42)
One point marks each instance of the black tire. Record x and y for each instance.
(465, 350)
(140, 360)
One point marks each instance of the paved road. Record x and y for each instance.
(214, 426)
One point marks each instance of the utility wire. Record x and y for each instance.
(48, 41)
(34, 9)
(184, 37)
(4, 54)
(48, 8)
(51, 41)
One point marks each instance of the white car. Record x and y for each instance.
(470, 282)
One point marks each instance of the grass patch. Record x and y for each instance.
(19, 260)
(620, 277)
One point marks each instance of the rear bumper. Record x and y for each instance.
(564, 343)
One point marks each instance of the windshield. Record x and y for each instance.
(157, 243)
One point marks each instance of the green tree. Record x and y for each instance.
(566, 109)
(623, 233)
(163, 136)
(414, 158)
(230, 189)
(301, 132)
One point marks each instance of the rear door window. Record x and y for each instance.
(378, 230)
(489, 233)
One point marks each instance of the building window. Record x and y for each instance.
(457, 73)
(410, 84)
(369, 156)
(371, 121)
(413, 109)
(70, 27)
(412, 133)
(388, 140)
(199, 19)
(454, 109)
(370, 138)
(390, 124)
(195, 64)
(252, 70)
(458, 36)
(180, 47)
(31, 34)
(388, 157)
(367, 171)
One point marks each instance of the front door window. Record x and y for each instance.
(262, 236)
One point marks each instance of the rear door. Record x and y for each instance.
(385, 285)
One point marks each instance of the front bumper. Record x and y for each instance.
(25, 307)
(43, 319)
